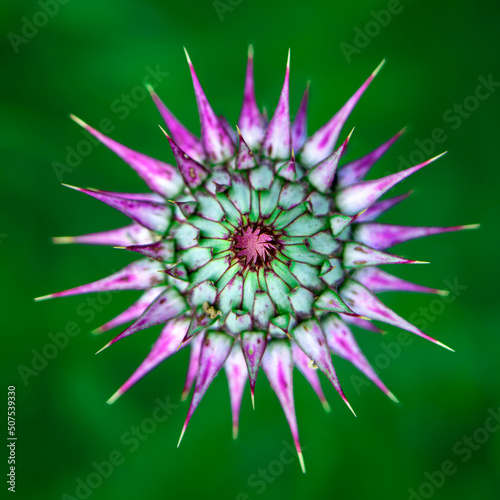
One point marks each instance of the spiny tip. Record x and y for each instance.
(470, 226)
(444, 293)
(78, 120)
(350, 133)
(58, 240)
(44, 297)
(444, 345)
(378, 68)
(301, 460)
(182, 434)
(120, 248)
(184, 395)
(97, 331)
(188, 58)
(71, 187)
(288, 60)
(151, 90)
(392, 396)
(114, 397)
(235, 431)
(419, 262)
(348, 405)
(253, 399)
(435, 158)
(105, 347)
(326, 406)
(163, 130)
(250, 51)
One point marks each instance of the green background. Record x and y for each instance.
(82, 61)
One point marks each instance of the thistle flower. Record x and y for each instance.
(257, 249)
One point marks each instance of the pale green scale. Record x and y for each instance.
(278, 291)
(300, 253)
(238, 323)
(292, 194)
(239, 194)
(216, 244)
(331, 301)
(230, 297)
(228, 275)
(288, 216)
(306, 225)
(319, 204)
(332, 273)
(324, 243)
(211, 271)
(204, 292)
(255, 207)
(185, 235)
(269, 199)
(209, 207)
(261, 177)
(284, 273)
(339, 222)
(250, 287)
(307, 275)
(263, 310)
(195, 257)
(232, 214)
(301, 301)
(209, 228)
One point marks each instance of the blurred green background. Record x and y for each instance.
(83, 58)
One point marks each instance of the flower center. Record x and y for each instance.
(255, 245)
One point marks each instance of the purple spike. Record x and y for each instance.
(227, 127)
(357, 197)
(214, 351)
(132, 234)
(277, 143)
(138, 275)
(186, 140)
(382, 236)
(244, 157)
(341, 342)
(194, 364)
(359, 255)
(321, 144)
(165, 346)
(378, 281)
(360, 323)
(362, 301)
(253, 346)
(236, 372)
(168, 305)
(355, 171)
(323, 173)
(251, 122)
(303, 363)
(278, 366)
(134, 311)
(379, 208)
(217, 143)
(152, 215)
(193, 173)
(289, 170)
(299, 126)
(155, 197)
(161, 177)
(162, 251)
(311, 339)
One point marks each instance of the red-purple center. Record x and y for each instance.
(254, 245)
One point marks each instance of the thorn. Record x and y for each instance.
(70, 186)
(350, 133)
(250, 51)
(182, 434)
(114, 397)
(288, 60)
(235, 431)
(163, 130)
(444, 345)
(348, 405)
(378, 68)
(187, 57)
(121, 248)
(326, 406)
(44, 297)
(78, 120)
(392, 396)
(58, 240)
(419, 262)
(301, 460)
(253, 399)
(436, 157)
(471, 226)
(444, 293)
(106, 346)
(184, 395)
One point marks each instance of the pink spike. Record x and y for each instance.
(382, 236)
(277, 143)
(187, 141)
(162, 250)
(194, 363)
(236, 372)
(214, 351)
(244, 157)
(303, 363)
(165, 346)
(378, 281)
(289, 170)
(360, 323)
(299, 126)
(152, 215)
(193, 173)
(155, 197)
(380, 207)
(359, 255)
(128, 235)
(217, 143)
(228, 128)
(251, 122)
(159, 176)
(168, 305)
(355, 171)
(341, 342)
(278, 366)
(357, 197)
(321, 144)
(138, 275)
(134, 311)
(253, 346)
(311, 339)
(361, 300)
(323, 173)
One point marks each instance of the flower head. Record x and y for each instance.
(257, 249)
